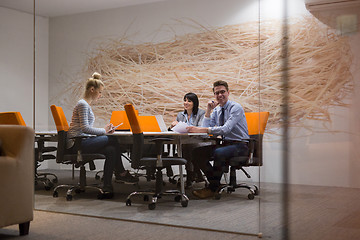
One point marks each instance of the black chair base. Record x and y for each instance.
(40, 157)
(253, 190)
(180, 195)
(45, 180)
(81, 187)
(232, 185)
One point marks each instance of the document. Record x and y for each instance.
(180, 127)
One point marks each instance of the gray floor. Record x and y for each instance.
(232, 213)
(58, 226)
(314, 213)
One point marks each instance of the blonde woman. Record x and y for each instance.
(82, 123)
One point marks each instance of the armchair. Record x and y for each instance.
(17, 176)
(42, 152)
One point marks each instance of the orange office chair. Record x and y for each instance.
(140, 160)
(150, 124)
(78, 159)
(11, 118)
(41, 151)
(119, 117)
(256, 122)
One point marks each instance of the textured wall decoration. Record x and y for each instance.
(155, 76)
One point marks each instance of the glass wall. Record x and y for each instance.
(151, 55)
(293, 59)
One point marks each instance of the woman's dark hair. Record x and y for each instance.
(193, 98)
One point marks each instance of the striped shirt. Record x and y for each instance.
(82, 122)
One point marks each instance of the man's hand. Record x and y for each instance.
(210, 106)
(193, 129)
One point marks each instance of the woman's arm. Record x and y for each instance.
(85, 119)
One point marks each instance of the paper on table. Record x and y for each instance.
(180, 127)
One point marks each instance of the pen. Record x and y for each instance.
(117, 126)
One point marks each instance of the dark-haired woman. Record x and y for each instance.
(193, 116)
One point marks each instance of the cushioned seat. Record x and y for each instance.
(17, 176)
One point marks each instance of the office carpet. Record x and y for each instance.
(60, 226)
(232, 213)
(314, 212)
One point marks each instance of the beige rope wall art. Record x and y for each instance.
(155, 76)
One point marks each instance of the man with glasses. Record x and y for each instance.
(226, 119)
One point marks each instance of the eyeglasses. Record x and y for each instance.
(220, 92)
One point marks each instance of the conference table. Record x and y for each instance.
(179, 139)
(125, 138)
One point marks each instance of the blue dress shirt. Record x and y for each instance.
(235, 125)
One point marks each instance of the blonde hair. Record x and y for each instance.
(94, 81)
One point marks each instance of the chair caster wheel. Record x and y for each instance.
(105, 195)
(184, 203)
(173, 181)
(217, 196)
(128, 202)
(100, 196)
(251, 196)
(55, 194)
(78, 190)
(152, 206)
(177, 198)
(97, 177)
(48, 185)
(230, 190)
(68, 197)
(55, 180)
(256, 191)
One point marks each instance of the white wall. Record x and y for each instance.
(16, 66)
(317, 159)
